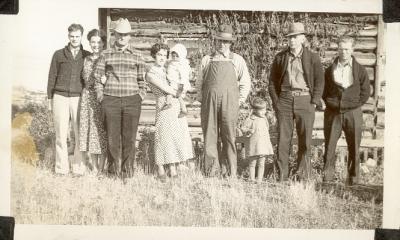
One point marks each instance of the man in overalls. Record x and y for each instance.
(222, 85)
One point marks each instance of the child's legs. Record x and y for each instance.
(172, 169)
(252, 169)
(260, 170)
(160, 170)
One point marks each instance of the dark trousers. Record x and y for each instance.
(121, 117)
(351, 123)
(297, 110)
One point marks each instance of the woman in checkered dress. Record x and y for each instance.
(173, 143)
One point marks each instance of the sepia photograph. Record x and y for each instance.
(201, 117)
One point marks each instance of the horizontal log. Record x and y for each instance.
(369, 106)
(368, 121)
(158, 27)
(371, 72)
(381, 103)
(366, 59)
(365, 44)
(380, 119)
(380, 133)
(365, 143)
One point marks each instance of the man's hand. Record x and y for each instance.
(322, 106)
(103, 79)
(99, 96)
(50, 104)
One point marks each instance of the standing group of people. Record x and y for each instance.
(101, 92)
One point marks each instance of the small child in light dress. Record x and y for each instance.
(257, 128)
(178, 71)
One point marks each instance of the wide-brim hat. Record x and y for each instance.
(295, 29)
(225, 32)
(123, 26)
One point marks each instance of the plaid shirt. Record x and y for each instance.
(124, 70)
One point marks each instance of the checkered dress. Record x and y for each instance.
(172, 138)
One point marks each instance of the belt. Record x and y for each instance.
(298, 93)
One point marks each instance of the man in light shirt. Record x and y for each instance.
(222, 85)
(346, 90)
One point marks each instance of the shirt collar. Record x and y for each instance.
(296, 56)
(71, 49)
(220, 54)
(339, 64)
(122, 49)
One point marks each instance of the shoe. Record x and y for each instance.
(162, 178)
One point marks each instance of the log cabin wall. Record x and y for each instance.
(192, 28)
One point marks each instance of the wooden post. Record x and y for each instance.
(380, 63)
(108, 27)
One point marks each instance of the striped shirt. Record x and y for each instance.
(124, 69)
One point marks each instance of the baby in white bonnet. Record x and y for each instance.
(178, 71)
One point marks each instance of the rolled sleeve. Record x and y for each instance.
(141, 68)
(199, 80)
(52, 76)
(244, 79)
(99, 71)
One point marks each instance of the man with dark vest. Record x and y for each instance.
(296, 84)
(223, 83)
(64, 89)
(346, 90)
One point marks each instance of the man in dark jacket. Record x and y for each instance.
(346, 90)
(63, 92)
(295, 86)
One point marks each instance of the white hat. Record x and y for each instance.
(123, 26)
(180, 49)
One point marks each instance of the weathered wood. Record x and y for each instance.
(371, 72)
(366, 59)
(381, 103)
(108, 22)
(379, 133)
(380, 119)
(368, 121)
(381, 55)
(365, 143)
(365, 44)
(158, 27)
(369, 106)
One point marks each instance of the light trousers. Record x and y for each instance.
(64, 110)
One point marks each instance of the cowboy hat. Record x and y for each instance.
(295, 29)
(225, 33)
(123, 26)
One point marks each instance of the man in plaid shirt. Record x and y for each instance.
(121, 93)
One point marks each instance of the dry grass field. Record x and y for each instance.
(40, 197)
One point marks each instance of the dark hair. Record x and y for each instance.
(258, 103)
(75, 27)
(98, 33)
(157, 47)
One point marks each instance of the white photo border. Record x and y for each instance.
(13, 37)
